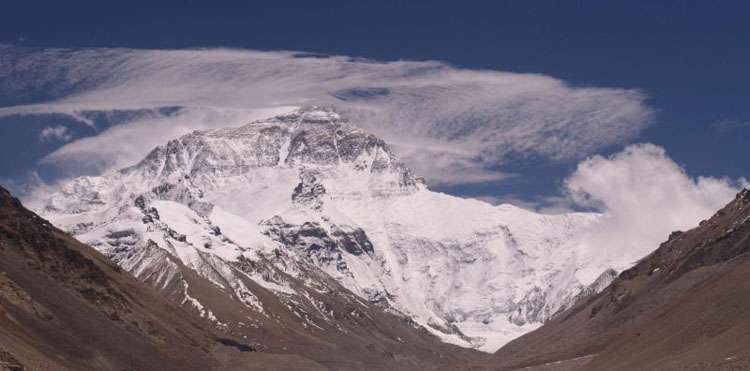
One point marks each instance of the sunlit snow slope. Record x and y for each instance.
(311, 195)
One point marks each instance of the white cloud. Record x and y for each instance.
(469, 120)
(58, 132)
(644, 196)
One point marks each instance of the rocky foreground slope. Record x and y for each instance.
(297, 206)
(683, 307)
(64, 306)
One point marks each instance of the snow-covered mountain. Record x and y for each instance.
(306, 203)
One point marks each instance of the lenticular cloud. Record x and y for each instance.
(469, 120)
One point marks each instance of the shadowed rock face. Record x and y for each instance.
(682, 307)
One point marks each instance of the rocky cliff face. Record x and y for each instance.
(307, 202)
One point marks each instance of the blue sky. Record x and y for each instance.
(689, 60)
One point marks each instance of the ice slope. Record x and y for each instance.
(308, 191)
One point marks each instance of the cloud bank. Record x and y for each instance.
(452, 125)
(644, 196)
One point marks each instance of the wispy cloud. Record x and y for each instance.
(58, 132)
(453, 125)
(730, 125)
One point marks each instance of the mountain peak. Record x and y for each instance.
(312, 115)
(315, 196)
(307, 137)
(308, 118)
